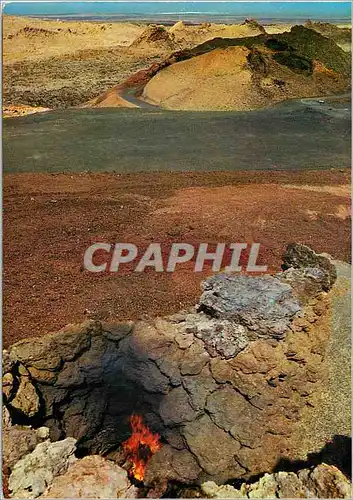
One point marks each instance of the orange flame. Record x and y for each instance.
(140, 446)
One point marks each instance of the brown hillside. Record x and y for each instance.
(243, 73)
(204, 82)
(236, 78)
(253, 72)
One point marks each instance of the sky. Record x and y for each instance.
(295, 9)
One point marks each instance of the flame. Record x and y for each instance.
(140, 446)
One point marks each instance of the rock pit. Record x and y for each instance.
(223, 384)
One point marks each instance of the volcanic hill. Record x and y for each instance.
(158, 37)
(252, 72)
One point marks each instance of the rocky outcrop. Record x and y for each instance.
(33, 473)
(307, 282)
(26, 399)
(178, 26)
(322, 481)
(19, 440)
(224, 384)
(262, 304)
(92, 477)
(51, 470)
(301, 256)
(221, 337)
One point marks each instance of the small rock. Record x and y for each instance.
(73, 340)
(193, 360)
(227, 408)
(51, 396)
(170, 464)
(177, 317)
(22, 370)
(47, 352)
(175, 407)
(214, 450)
(70, 375)
(36, 352)
(17, 442)
(266, 487)
(42, 433)
(26, 399)
(301, 256)
(116, 332)
(199, 387)
(326, 481)
(6, 419)
(212, 490)
(300, 324)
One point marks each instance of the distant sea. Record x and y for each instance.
(190, 12)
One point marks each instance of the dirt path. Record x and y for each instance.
(50, 220)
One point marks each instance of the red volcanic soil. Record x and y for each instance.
(50, 220)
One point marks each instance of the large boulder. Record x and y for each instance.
(18, 441)
(92, 477)
(262, 304)
(34, 472)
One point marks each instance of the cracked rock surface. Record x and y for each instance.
(92, 477)
(263, 304)
(322, 481)
(51, 470)
(224, 385)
